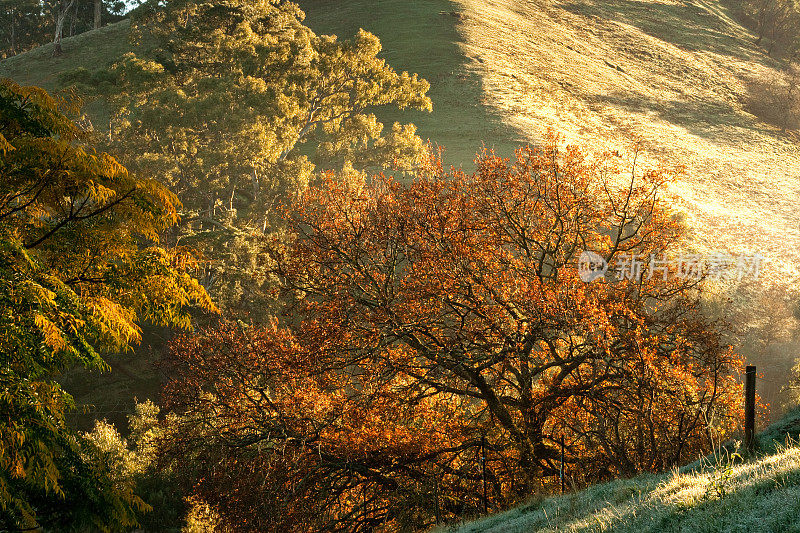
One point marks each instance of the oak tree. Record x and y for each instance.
(427, 321)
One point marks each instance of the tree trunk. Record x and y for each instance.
(98, 4)
(60, 17)
(13, 34)
(72, 21)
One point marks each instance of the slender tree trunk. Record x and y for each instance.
(60, 17)
(13, 33)
(72, 21)
(98, 5)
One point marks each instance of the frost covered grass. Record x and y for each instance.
(718, 493)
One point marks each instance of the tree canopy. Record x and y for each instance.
(425, 319)
(80, 268)
(235, 103)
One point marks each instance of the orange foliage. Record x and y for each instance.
(422, 317)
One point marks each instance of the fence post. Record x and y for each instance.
(561, 470)
(483, 473)
(750, 408)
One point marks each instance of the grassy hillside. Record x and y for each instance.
(91, 50)
(670, 74)
(424, 37)
(712, 495)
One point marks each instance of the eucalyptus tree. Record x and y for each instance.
(235, 105)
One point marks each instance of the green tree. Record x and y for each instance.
(23, 25)
(237, 104)
(80, 268)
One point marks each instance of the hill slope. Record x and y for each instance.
(713, 495)
(671, 74)
(91, 50)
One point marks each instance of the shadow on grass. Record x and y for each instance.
(92, 50)
(687, 26)
(701, 118)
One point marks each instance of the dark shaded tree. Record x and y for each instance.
(80, 268)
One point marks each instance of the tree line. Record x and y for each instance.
(776, 24)
(26, 24)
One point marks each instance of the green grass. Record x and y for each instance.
(420, 36)
(423, 37)
(91, 50)
(134, 376)
(715, 494)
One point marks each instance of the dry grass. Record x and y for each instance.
(669, 74)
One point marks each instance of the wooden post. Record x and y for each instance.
(483, 473)
(561, 470)
(436, 495)
(749, 408)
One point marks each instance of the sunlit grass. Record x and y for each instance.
(669, 74)
(426, 37)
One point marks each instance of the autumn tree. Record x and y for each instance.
(425, 319)
(234, 107)
(80, 268)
